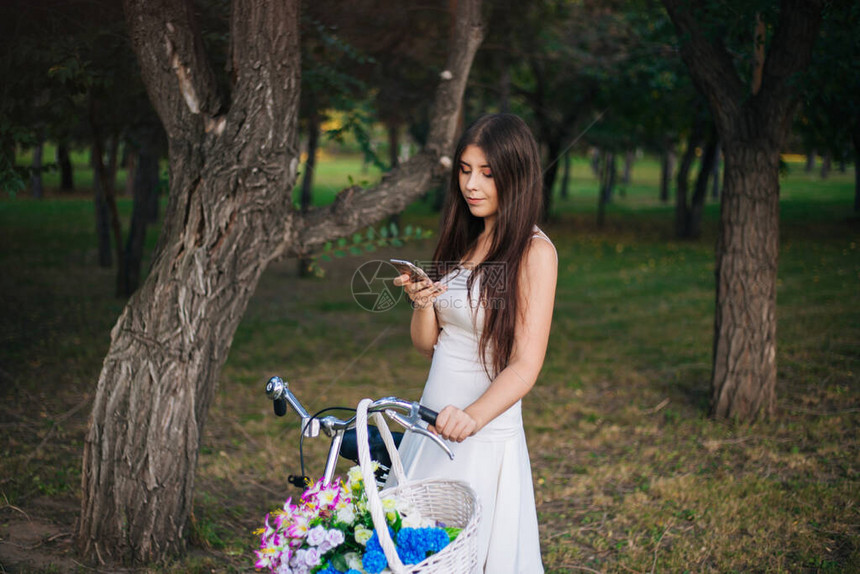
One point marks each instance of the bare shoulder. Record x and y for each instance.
(541, 252)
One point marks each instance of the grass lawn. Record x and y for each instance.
(630, 473)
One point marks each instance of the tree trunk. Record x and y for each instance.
(607, 180)
(36, 188)
(682, 183)
(549, 174)
(629, 157)
(144, 186)
(700, 191)
(810, 161)
(67, 180)
(106, 176)
(232, 169)
(667, 168)
(855, 138)
(102, 216)
(565, 175)
(306, 197)
(130, 163)
(744, 375)
(752, 129)
(826, 165)
(715, 186)
(393, 144)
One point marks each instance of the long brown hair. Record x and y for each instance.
(513, 157)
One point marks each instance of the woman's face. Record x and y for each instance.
(477, 185)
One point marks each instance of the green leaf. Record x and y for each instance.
(324, 257)
(396, 242)
(339, 563)
(341, 242)
(355, 249)
(339, 253)
(383, 231)
(392, 229)
(371, 233)
(327, 246)
(356, 238)
(370, 247)
(408, 231)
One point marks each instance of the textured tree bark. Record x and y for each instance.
(751, 129)
(232, 168)
(744, 370)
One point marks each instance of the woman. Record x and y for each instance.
(485, 323)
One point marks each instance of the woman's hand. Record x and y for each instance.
(422, 293)
(454, 424)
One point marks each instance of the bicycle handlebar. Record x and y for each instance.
(278, 390)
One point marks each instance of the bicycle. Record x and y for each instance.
(343, 434)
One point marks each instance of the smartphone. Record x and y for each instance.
(415, 273)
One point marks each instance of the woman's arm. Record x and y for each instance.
(538, 276)
(424, 327)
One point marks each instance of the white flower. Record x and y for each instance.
(316, 535)
(334, 537)
(362, 534)
(353, 560)
(446, 75)
(354, 475)
(413, 520)
(312, 557)
(346, 514)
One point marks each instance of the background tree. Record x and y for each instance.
(752, 118)
(830, 118)
(233, 162)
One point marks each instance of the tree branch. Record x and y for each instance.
(708, 61)
(175, 69)
(265, 58)
(355, 208)
(791, 48)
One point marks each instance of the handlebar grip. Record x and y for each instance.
(280, 407)
(427, 415)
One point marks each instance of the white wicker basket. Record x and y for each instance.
(451, 502)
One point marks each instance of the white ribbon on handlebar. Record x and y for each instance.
(374, 502)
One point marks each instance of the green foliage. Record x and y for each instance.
(366, 242)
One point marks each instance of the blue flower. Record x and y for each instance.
(373, 544)
(374, 562)
(329, 569)
(414, 544)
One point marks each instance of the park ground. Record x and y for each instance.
(630, 473)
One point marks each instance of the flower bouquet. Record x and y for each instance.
(330, 530)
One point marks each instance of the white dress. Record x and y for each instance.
(495, 461)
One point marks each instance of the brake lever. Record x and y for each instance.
(411, 423)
